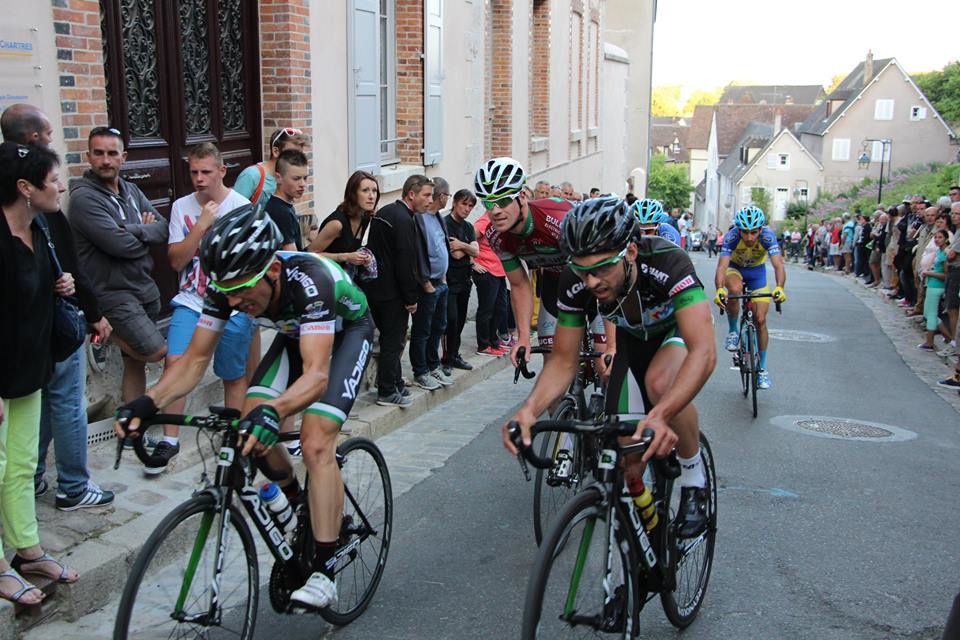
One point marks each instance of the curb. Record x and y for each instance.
(104, 561)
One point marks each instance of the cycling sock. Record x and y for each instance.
(732, 322)
(763, 359)
(292, 489)
(691, 471)
(323, 560)
(171, 440)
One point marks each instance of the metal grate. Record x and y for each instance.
(100, 431)
(799, 336)
(844, 428)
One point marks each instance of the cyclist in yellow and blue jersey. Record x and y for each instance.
(746, 246)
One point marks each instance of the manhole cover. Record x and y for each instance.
(843, 428)
(799, 336)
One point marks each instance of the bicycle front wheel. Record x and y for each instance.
(754, 366)
(692, 559)
(743, 355)
(581, 585)
(173, 591)
(554, 486)
(365, 529)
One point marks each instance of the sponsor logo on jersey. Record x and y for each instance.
(575, 289)
(680, 286)
(656, 274)
(314, 328)
(315, 311)
(350, 303)
(309, 286)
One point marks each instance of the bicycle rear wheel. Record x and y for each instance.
(553, 487)
(580, 587)
(692, 559)
(754, 366)
(364, 532)
(170, 589)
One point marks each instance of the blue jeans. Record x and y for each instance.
(429, 324)
(63, 417)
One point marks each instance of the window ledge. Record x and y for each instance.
(576, 135)
(393, 176)
(539, 143)
(593, 132)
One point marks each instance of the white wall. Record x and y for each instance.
(614, 135)
(802, 168)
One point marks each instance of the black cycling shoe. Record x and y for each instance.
(691, 518)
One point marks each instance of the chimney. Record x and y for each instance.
(777, 121)
(868, 68)
(788, 99)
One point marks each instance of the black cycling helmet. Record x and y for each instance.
(240, 242)
(596, 226)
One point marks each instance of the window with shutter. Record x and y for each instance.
(771, 161)
(883, 109)
(366, 103)
(841, 149)
(876, 149)
(783, 161)
(433, 83)
(918, 113)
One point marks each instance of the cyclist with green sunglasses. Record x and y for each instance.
(664, 350)
(315, 364)
(529, 232)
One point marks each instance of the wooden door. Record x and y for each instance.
(181, 72)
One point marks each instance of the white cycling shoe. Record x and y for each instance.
(732, 341)
(319, 592)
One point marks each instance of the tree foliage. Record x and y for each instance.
(761, 198)
(665, 100)
(702, 96)
(669, 183)
(942, 88)
(835, 82)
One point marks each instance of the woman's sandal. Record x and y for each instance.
(25, 588)
(19, 561)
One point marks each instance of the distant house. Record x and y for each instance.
(774, 161)
(668, 136)
(772, 94)
(877, 101)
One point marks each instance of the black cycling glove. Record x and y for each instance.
(143, 408)
(263, 423)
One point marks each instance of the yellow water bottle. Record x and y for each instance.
(648, 510)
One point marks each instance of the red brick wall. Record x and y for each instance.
(540, 68)
(285, 74)
(83, 98)
(501, 85)
(410, 46)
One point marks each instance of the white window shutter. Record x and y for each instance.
(883, 109)
(365, 106)
(433, 83)
(771, 161)
(841, 149)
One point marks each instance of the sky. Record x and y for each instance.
(704, 44)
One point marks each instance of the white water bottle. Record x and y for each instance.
(278, 504)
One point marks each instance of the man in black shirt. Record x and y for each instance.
(292, 171)
(463, 248)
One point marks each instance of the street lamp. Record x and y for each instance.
(864, 160)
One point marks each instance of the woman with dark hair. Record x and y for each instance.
(341, 234)
(29, 186)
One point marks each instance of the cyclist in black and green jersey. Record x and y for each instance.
(315, 364)
(664, 349)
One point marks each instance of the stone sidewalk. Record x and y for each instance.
(102, 543)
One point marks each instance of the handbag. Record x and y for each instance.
(367, 272)
(69, 327)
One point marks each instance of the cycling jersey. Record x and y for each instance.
(668, 232)
(538, 243)
(742, 255)
(315, 293)
(666, 282)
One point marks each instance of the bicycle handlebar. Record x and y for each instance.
(522, 360)
(751, 296)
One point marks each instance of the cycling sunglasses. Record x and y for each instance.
(285, 132)
(247, 284)
(501, 203)
(599, 267)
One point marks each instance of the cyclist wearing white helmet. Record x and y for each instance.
(521, 230)
(743, 257)
(315, 364)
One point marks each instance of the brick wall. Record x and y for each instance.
(540, 68)
(409, 38)
(83, 98)
(285, 74)
(501, 71)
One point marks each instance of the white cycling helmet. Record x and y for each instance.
(499, 178)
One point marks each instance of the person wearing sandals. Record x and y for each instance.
(29, 185)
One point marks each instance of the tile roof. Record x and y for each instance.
(772, 94)
(846, 92)
(756, 135)
(732, 120)
(662, 135)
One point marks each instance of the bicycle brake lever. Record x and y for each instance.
(523, 467)
(116, 463)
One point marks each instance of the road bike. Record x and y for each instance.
(598, 564)
(574, 455)
(197, 574)
(747, 356)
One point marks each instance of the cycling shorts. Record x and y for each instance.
(753, 278)
(626, 389)
(547, 317)
(283, 364)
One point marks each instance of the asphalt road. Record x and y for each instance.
(819, 538)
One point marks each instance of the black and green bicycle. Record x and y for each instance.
(198, 573)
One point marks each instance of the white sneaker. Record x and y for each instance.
(441, 377)
(319, 592)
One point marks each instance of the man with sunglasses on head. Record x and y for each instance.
(742, 261)
(529, 232)
(648, 289)
(315, 364)
(258, 182)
